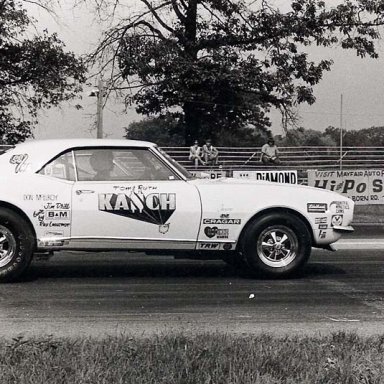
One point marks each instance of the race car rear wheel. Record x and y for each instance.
(277, 244)
(16, 245)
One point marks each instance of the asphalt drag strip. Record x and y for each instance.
(102, 294)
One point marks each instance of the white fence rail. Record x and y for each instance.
(300, 158)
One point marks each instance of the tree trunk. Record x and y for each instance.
(191, 116)
(192, 124)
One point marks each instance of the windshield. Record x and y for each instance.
(178, 166)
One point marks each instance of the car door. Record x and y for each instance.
(47, 197)
(128, 198)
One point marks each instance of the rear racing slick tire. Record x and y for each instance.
(277, 244)
(16, 245)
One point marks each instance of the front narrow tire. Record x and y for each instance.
(277, 244)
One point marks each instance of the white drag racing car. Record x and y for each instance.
(94, 195)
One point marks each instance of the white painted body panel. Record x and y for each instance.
(88, 221)
(206, 211)
(38, 197)
(243, 199)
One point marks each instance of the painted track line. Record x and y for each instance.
(359, 244)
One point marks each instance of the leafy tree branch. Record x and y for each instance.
(35, 72)
(221, 65)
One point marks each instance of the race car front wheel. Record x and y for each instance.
(277, 244)
(16, 245)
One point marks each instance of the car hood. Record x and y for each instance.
(271, 187)
(246, 182)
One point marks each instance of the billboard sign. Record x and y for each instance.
(283, 176)
(362, 186)
(210, 174)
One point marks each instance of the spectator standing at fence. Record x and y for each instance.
(210, 153)
(195, 154)
(270, 153)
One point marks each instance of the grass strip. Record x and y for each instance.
(207, 358)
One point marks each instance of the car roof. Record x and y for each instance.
(41, 151)
(63, 144)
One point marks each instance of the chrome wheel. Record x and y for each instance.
(7, 246)
(277, 246)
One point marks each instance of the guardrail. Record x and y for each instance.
(300, 158)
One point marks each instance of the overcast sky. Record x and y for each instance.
(361, 81)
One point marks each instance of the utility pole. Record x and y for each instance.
(100, 106)
(341, 132)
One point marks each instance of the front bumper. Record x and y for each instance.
(343, 229)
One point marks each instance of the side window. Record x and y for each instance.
(61, 167)
(94, 164)
(120, 164)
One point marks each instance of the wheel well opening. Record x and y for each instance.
(275, 210)
(19, 212)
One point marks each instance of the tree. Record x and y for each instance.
(162, 131)
(168, 131)
(249, 136)
(367, 137)
(35, 72)
(300, 137)
(223, 64)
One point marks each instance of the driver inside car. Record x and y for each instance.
(102, 163)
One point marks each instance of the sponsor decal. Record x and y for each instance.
(53, 215)
(54, 233)
(219, 233)
(337, 220)
(135, 188)
(320, 220)
(164, 228)
(20, 162)
(57, 215)
(209, 245)
(223, 208)
(40, 197)
(222, 221)
(52, 224)
(154, 208)
(339, 206)
(57, 206)
(316, 207)
(51, 243)
(323, 226)
(38, 213)
(322, 234)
